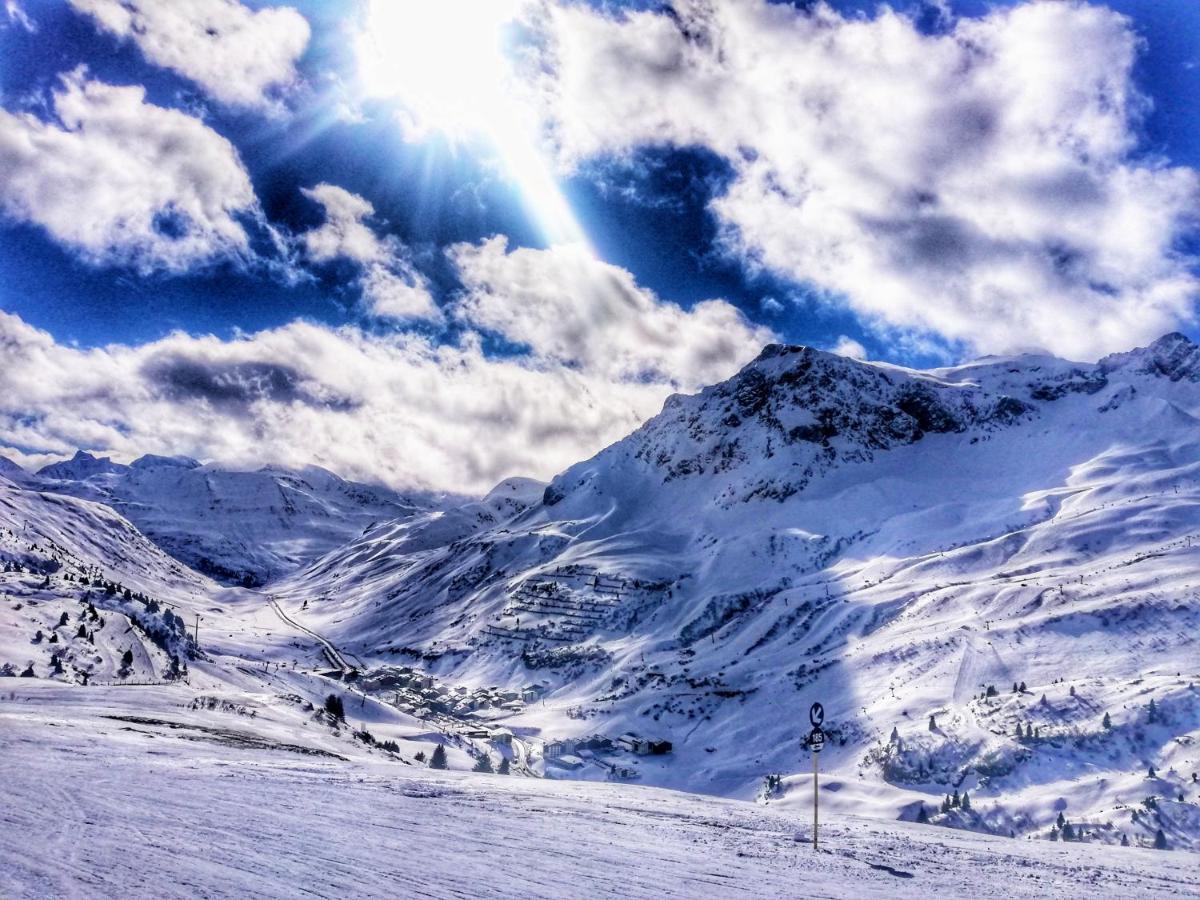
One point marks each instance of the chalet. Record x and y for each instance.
(501, 736)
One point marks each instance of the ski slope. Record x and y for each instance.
(98, 805)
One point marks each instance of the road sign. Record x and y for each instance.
(816, 715)
(816, 740)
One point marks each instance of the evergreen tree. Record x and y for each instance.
(1160, 840)
(56, 664)
(82, 632)
(895, 738)
(438, 760)
(127, 659)
(1022, 687)
(922, 816)
(966, 800)
(1060, 821)
(66, 617)
(1015, 688)
(932, 724)
(1151, 773)
(1124, 839)
(955, 802)
(484, 764)
(946, 804)
(1068, 832)
(504, 767)
(1072, 690)
(420, 757)
(335, 707)
(1153, 712)
(1020, 734)
(1107, 723)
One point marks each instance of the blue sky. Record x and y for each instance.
(706, 225)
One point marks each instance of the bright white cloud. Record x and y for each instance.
(849, 347)
(395, 408)
(390, 285)
(239, 56)
(572, 309)
(981, 184)
(122, 181)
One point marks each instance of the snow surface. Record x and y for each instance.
(98, 805)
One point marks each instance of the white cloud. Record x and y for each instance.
(602, 355)
(982, 184)
(848, 346)
(395, 408)
(570, 308)
(16, 15)
(122, 181)
(390, 285)
(239, 56)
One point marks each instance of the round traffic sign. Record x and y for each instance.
(816, 715)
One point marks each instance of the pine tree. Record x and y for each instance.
(966, 800)
(1107, 723)
(1124, 839)
(1151, 773)
(484, 764)
(82, 632)
(895, 738)
(932, 724)
(1061, 820)
(66, 617)
(504, 767)
(1022, 687)
(335, 707)
(955, 802)
(1068, 832)
(127, 659)
(1072, 690)
(1160, 840)
(1015, 688)
(438, 760)
(922, 816)
(1153, 712)
(1020, 734)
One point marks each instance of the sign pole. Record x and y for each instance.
(816, 742)
(815, 801)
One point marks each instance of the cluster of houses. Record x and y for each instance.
(574, 753)
(416, 691)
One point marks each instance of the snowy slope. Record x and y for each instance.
(238, 527)
(171, 801)
(887, 541)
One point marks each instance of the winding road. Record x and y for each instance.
(331, 652)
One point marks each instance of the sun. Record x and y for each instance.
(446, 66)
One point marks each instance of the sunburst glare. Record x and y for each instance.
(445, 64)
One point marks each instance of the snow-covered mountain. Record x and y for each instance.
(906, 547)
(242, 527)
(987, 575)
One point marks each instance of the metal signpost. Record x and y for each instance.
(816, 742)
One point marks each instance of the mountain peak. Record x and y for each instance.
(1173, 356)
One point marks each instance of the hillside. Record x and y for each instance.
(900, 545)
(238, 527)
